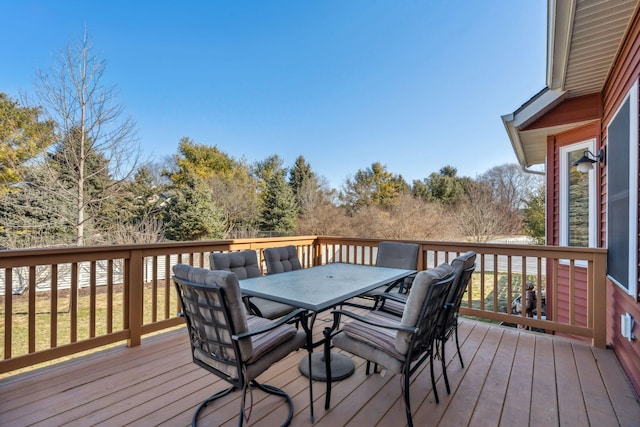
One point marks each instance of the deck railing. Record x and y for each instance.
(57, 302)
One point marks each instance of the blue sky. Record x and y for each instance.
(415, 85)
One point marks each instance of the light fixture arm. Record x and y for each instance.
(585, 163)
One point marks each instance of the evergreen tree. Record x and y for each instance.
(304, 183)
(202, 161)
(23, 136)
(373, 186)
(534, 216)
(444, 186)
(280, 210)
(33, 215)
(191, 214)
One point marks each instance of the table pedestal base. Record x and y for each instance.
(341, 366)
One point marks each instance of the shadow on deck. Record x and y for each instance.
(511, 377)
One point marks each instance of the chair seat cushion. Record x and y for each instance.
(370, 342)
(271, 309)
(271, 346)
(393, 307)
(264, 343)
(376, 336)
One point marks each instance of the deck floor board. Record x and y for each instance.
(510, 377)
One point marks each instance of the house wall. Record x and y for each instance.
(625, 73)
(554, 143)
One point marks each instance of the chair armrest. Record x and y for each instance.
(275, 324)
(395, 297)
(400, 283)
(386, 325)
(382, 297)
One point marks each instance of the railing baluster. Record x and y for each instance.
(92, 300)
(109, 316)
(572, 296)
(54, 306)
(8, 312)
(154, 290)
(496, 289)
(538, 289)
(32, 308)
(73, 303)
(523, 288)
(482, 284)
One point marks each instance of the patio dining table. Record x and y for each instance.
(320, 288)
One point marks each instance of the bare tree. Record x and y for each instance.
(97, 149)
(480, 217)
(511, 185)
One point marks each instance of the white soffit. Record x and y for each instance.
(583, 40)
(584, 37)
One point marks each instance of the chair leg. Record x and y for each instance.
(311, 387)
(278, 392)
(458, 345)
(407, 400)
(204, 404)
(433, 378)
(444, 366)
(327, 364)
(264, 387)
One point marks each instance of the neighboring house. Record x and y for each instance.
(591, 103)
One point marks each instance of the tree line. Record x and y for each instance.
(71, 173)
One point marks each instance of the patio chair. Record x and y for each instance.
(229, 343)
(245, 265)
(283, 259)
(463, 267)
(395, 255)
(400, 346)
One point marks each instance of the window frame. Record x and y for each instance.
(632, 278)
(565, 167)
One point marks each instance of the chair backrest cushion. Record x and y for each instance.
(228, 281)
(460, 264)
(398, 255)
(416, 298)
(243, 263)
(280, 260)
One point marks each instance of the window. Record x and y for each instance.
(622, 191)
(578, 198)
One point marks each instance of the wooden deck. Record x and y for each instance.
(511, 377)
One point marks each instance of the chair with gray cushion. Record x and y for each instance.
(281, 260)
(245, 265)
(401, 346)
(395, 255)
(228, 342)
(463, 267)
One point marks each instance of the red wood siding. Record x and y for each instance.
(580, 297)
(628, 352)
(624, 74)
(574, 110)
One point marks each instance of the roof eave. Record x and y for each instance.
(517, 121)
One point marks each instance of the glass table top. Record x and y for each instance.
(321, 287)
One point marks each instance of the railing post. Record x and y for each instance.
(599, 296)
(135, 285)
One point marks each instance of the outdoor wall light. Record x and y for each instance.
(585, 163)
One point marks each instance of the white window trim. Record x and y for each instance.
(632, 96)
(564, 193)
